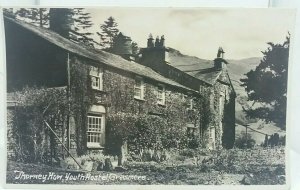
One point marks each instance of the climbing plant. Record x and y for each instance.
(30, 137)
(82, 97)
(206, 115)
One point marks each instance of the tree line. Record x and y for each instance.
(74, 24)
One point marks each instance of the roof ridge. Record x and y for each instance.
(101, 56)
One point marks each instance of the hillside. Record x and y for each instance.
(237, 69)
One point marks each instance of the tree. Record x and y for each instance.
(108, 33)
(61, 21)
(267, 85)
(36, 16)
(9, 12)
(73, 24)
(40, 16)
(135, 48)
(82, 22)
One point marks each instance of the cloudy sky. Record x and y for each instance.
(242, 33)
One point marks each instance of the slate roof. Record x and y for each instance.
(106, 58)
(201, 69)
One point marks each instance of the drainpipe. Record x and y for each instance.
(69, 104)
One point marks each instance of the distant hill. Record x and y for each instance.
(237, 69)
(177, 58)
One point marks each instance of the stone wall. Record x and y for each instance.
(118, 96)
(223, 109)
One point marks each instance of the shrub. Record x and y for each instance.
(193, 143)
(282, 140)
(120, 127)
(245, 141)
(143, 132)
(187, 152)
(29, 132)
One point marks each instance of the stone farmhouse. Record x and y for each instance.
(150, 83)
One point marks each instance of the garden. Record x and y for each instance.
(156, 152)
(257, 166)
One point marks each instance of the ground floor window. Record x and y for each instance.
(95, 127)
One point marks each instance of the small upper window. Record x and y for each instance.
(139, 88)
(190, 103)
(161, 95)
(96, 78)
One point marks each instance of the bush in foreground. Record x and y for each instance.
(245, 141)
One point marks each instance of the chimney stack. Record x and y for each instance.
(155, 54)
(220, 62)
(60, 21)
(162, 41)
(220, 53)
(150, 43)
(157, 43)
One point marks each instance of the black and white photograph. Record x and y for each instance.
(147, 96)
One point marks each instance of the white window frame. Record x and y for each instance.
(212, 133)
(191, 103)
(161, 95)
(140, 88)
(96, 73)
(212, 137)
(191, 130)
(95, 125)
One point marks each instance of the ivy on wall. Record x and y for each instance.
(31, 139)
(139, 123)
(143, 123)
(82, 97)
(206, 115)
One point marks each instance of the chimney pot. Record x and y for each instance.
(220, 53)
(157, 43)
(150, 43)
(162, 41)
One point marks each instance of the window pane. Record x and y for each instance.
(94, 128)
(99, 125)
(98, 139)
(96, 77)
(137, 93)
